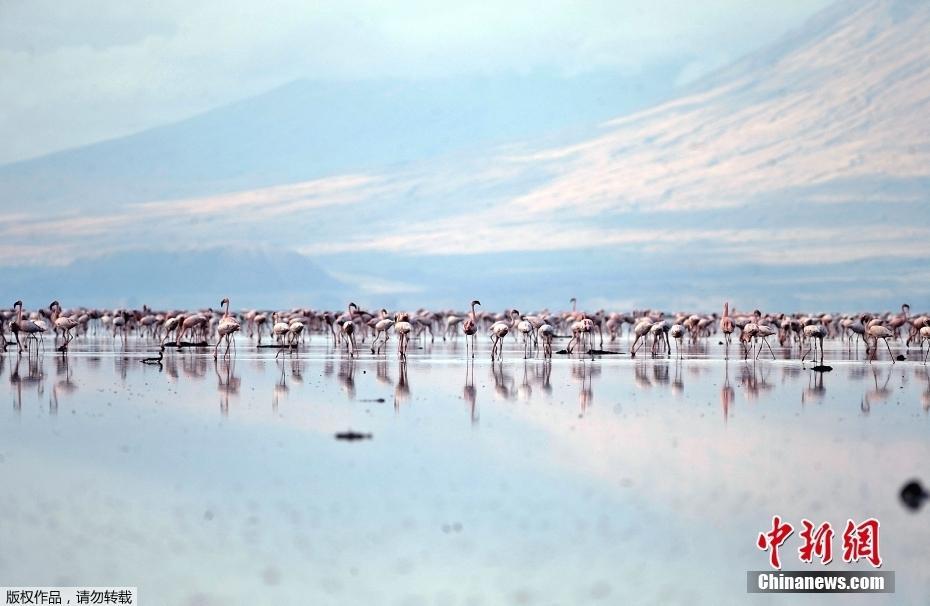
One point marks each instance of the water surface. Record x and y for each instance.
(608, 480)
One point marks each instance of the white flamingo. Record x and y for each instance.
(402, 327)
(498, 331)
(227, 327)
(677, 332)
(640, 331)
(382, 327)
(348, 328)
(876, 332)
(64, 324)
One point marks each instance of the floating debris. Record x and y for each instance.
(379, 400)
(913, 495)
(822, 368)
(603, 352)
(352, 436)
(901, 358)
(192, 344)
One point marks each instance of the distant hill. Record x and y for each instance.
(250, 277)
(308, 129)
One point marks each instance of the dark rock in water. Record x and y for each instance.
(189, 344)
(719, 342)
(603, 352)
(564, 352)
(913, 495)
(352, 436)
(900, 358)
(822, 368)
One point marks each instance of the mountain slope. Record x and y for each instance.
(195, 278)
(308, 129)
(799, 175)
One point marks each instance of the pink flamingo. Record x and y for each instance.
(470, 328)
(726, 323)
(64, 324)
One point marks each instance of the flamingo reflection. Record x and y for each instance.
(727, 395)
(469, 393)
(402, 390)
(227, 383)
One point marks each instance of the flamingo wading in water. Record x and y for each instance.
(228, 326)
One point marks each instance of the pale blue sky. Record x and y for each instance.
(79, 72)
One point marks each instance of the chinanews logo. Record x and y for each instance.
(860, 542)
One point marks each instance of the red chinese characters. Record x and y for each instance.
(817, 542)
(862, 542)
(772, 540)
(859, 541)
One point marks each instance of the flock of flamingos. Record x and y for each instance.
(286, 330)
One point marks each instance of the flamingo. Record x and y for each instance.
(726, 323)
(30, 327)
(294, 330)
(348, 329)
(815, 331)
(640, 331)
(498, 331)
(172, 323)
(547, 332)
(925, 336)
(764, 331)
(526, 328)
(876, 332)
(382, 327)
(900, 320)
(678, 332)
(228, 326)
(580, 331)
(470, 328)
(402, 327)
(279, 329)
(659, 331)
(747, 335)
(260, 320)
(189, 324)
(65, 324)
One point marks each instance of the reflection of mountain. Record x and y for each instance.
(797, 177)
(193, 278)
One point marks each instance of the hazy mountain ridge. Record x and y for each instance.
(307, 130)
(809, 158)
(196, 278)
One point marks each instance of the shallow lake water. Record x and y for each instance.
(581, 481)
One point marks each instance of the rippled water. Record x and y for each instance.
(581, 481)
